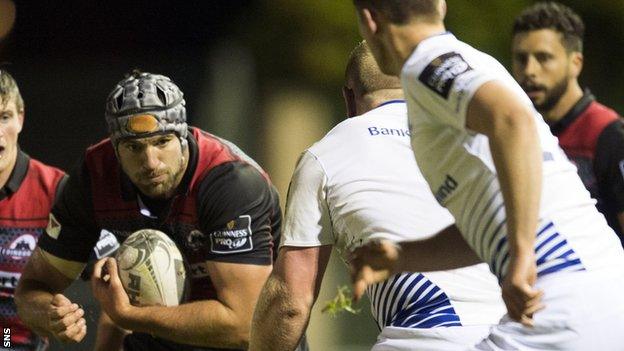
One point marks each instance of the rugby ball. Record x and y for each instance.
(151, 269)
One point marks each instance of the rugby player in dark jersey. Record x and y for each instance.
(27, 191)
(155, 172)
(547, 61)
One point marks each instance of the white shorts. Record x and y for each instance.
(584, 311)
(433, 339)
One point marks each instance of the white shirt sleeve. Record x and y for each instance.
(306, 220)
(444, 84)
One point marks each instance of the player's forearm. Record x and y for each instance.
(446, 250)
(32, 299)
(206, 323)
(517, 157)
(280, 318)
(109, 335)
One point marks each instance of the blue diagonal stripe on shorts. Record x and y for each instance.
(413, 301)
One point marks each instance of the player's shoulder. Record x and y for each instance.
(233, 180)
(444, 55)
(46, 174)
(36, 164)
(601, 113)
(348, 135)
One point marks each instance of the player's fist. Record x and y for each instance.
(66, 320)
(520, 297)
(109, 291)
(371, 263)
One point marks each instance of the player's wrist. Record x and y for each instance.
(125, 316)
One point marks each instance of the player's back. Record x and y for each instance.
(375, 190)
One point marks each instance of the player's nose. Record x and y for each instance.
(151, 160)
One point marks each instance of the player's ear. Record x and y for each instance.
(20, 120)
(349, 98)
(576, 63)
(442, 8)
(368, 21)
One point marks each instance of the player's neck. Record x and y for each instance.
(377, 98)
(405, 38)
(565, 104)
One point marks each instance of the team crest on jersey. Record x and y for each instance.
(21, 247)
(54, 227)
(195, 239)
(234, 237)
(440, 74)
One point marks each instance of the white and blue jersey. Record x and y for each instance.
(573, 241)
(439, 80)
(361, 182)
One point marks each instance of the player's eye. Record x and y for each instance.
(543, 57)
(163, 142)
(5, 117)
(132, 147)
(521, 59)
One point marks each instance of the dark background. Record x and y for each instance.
(236, 60)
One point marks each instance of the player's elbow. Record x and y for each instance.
(240, 338)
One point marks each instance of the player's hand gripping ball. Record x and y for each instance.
(151, 269)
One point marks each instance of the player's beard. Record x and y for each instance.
(165, 188)
(552, 96)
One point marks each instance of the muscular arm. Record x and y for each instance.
(44, 278)
(498, 112)
(220, 323)
(284, 306)
(510, 127)
(378, 260)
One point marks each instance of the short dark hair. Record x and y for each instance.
(555, 16)
(401, 11)
(9, 89)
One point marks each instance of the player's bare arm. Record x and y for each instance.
(283, 310)
(510, 127)
(109, 335)
(222, 323)
(378, 260)
(40, 302)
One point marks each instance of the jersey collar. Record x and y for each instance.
(397, 101)
(17, 175)
(574, 113)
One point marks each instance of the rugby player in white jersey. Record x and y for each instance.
(361, 182)
(517, 200)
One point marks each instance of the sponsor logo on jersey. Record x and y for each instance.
(388, 131)
(445, 189)
(20, 248)
(106, 245)
(54, 227)
(440, 74)
(235, 237)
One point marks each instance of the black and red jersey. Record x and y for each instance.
(25, 203)
(225, 209)
(592, 135)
